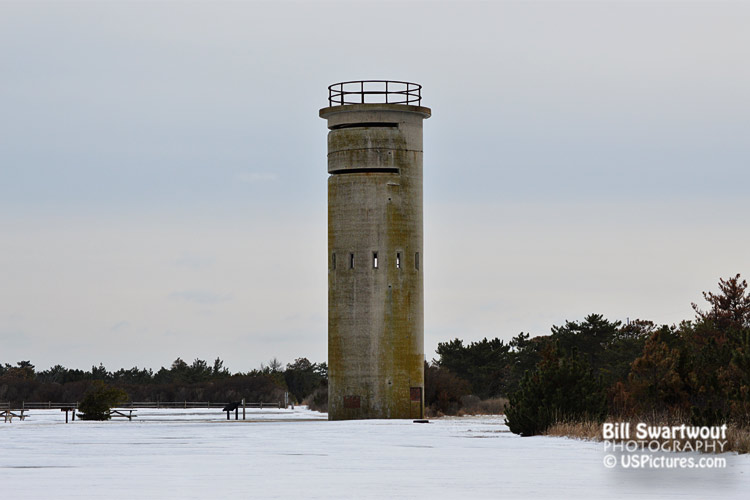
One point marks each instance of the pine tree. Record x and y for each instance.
(99, 399)
(562, 388)
(654, 382)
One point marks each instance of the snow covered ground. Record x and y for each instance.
(196, 453)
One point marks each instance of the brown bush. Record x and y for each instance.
(318, 400)
(472, 405)
(443, 391)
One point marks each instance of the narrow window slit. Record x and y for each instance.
(398, 260)
(374, 260)
(416, 261)
(365, 124)
(371, 170)
(351, 261)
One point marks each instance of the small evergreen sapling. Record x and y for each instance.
(99, 399)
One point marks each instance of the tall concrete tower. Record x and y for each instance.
(375, 236)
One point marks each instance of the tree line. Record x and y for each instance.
(697, 372)
(197, 381)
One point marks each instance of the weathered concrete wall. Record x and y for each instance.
(375, 314)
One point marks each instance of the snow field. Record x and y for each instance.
(197, 453)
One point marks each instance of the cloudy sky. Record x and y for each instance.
(163, 168)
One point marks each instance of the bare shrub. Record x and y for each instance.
(318, 400)
(469, 404)
(493, 406)
(443, 390)
(739, 439)
(472, 405)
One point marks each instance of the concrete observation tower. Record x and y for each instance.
(375, 237)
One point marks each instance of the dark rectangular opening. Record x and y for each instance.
(374, 260)
(372, 170)
(365, 124)
(416, 261)
(351, 261)
(415, 394)
(398, 260)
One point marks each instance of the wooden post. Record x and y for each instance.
(243, 408)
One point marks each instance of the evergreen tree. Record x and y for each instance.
(654, 382)
(302, 378)
(562, 388)
(99, 399)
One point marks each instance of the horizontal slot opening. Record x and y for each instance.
(374, 170)
(366, 124)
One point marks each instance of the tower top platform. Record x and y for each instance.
(367, 96)
(374, 91)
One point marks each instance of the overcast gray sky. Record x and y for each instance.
(163, 168)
